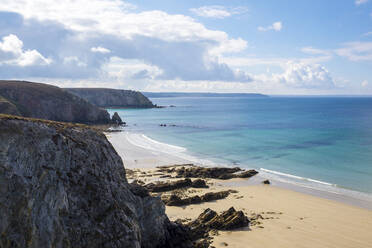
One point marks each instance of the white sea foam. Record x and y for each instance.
(143, 141)
(156, 147)
(313, 184)
(296, 177)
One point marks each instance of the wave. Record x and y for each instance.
(145, 142)
(297, 177)
(313, 184)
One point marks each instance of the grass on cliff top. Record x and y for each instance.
(2, 99)
(56, 124)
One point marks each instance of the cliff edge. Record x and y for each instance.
(45, 101)
(107, 98)
(64, 185)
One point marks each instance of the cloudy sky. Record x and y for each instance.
(271, 46)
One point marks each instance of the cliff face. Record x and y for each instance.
(7, 107)
(113, 98)
(48, 102)
(63, 185)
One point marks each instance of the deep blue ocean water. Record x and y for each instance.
(323, 138)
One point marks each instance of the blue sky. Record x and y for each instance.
(272, 47)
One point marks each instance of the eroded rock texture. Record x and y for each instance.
(63, 185)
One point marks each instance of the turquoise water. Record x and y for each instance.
(323, 138)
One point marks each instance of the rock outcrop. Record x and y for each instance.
(169, 186)
(211, 172)
(175, 200)
(49, 102)
(63, 185)
(106, 98)
(7, 107)
(116, 119)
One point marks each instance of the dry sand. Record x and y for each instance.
(292, 219)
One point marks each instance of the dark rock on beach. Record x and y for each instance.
(63, 185)
(214, 172)
(169, 186)
(266, 181)
(175, 200)
(209, 219)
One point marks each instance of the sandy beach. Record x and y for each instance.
(290, 218)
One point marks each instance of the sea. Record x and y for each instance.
(318, 142)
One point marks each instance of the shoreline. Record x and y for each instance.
(288, 218)
(140, 152)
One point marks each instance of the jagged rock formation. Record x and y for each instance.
(212, 172)
(106, 98)
(116, 119)
(64, 185)
(48, 102)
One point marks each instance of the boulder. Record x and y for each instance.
(266, 181)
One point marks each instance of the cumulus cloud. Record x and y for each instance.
(100, 49)
(217, 11)
(12, 53)
(114, 17)
(276, 26)
(359, 2)
(305, 76)
(356, 51)
(364, 83)
(177, 44)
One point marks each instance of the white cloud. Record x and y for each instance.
(114, 17)
(217, 11)
(120, 69)
(276, 26)
(364, 83)
(367, 34)
(314, 51)
(12, 53)
(73, 60)
(356, 51)
(100, 49)
(305, 76)
(359, 2)
(211, 12)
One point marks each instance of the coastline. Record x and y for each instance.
(290, 218)
(140, 152)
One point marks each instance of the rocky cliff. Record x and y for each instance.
(113, 98)
(63, 185)
(48, 102)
